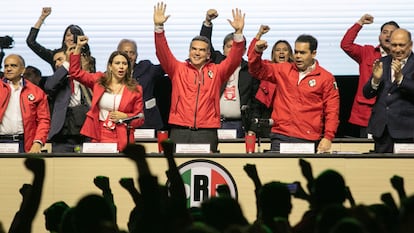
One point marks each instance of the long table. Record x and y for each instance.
(70, 176)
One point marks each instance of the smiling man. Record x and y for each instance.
(24, 110)
(392, 83)
(195, 98)
(306, 100)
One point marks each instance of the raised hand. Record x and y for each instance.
(36, 165)
(261, 45)
(80, 43)
(127, 183)
(397, 183)
(45, 12)
(238, 21)
(366, 19)
(262, 30)
(251, 171)
(159, 14)
(102, 182)
(210, 15)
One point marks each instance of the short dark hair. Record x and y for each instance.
(204, 39)
(304, 38)
(393, 23)
(35, 70)
(230, 36)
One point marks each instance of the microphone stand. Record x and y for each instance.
(259, 139)
(128, 127)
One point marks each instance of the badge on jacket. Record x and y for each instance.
(312, 82)
(210, 74)
(31, 97)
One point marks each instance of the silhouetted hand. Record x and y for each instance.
(251, 171)
(136, 152)
(168, 147)
(127, 183)
(306, 169)
(102, 182)
(300, 192)
(388, 200)
(36, 165)
(397, 182)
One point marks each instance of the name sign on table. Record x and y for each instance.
(297, 148)
(192, 148)
(90, 147)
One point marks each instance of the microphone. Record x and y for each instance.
(260, 121)
(129, 119)
(244, 107)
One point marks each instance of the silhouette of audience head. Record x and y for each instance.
(93, 214)
(274, 200)
(223, 213)
(54, 214)
(406, 218)
(67, 224)
(347, 225)
(329, 188)
(329, 216)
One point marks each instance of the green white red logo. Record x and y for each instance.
(202, 177)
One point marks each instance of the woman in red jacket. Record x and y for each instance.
(116, 96)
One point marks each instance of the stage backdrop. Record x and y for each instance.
(106, 22)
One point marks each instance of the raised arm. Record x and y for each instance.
(348, 44)
(38, 49)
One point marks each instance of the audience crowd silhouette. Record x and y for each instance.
(163, 208)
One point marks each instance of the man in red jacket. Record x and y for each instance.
(24, 110)
(195, 98)
(306, 104)
(365, 55)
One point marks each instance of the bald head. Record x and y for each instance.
(14, 67)
(401, 44)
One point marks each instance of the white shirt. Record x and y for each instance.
(12, 120)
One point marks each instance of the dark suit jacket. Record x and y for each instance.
(147, 74)
(59, 91)
(394, 107)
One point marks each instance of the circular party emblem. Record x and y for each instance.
(202, 178)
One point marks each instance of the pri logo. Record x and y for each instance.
(201, 179)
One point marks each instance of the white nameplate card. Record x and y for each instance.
(227, 133)
(9, 147)
(144, 133)
(403, 148)
(192, 148)
(90, 147)
(297, 148)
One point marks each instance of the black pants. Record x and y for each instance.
(276, 139)
(385, 143)
(184, 135)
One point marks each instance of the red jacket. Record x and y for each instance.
(365, 57)
(131, 104)
(35, 111)
(300, 110)
(195, 99)
(266, 92)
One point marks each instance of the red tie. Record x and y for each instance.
(71, 84)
